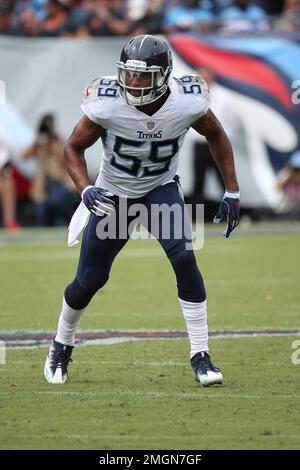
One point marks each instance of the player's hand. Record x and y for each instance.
(230, 206)
(98, 201)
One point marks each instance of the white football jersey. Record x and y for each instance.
(141, 151)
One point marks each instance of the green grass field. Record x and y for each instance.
(141, 394)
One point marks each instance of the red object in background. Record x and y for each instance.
(13, 226)
(233, 65)
(23, 184)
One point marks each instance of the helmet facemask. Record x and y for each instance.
(154, 80)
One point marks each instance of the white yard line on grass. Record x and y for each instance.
(33, 339)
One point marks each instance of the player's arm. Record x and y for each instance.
(84, 135)
(220, 148)
(221, 151)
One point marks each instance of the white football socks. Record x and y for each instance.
(195, 316)
(68, 322)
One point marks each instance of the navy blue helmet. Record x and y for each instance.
(149, 60)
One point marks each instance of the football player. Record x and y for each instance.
(142, 116)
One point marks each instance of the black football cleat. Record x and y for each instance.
(56, 365)
(204, 370)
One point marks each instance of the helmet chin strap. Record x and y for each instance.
(137, 100)
(144, 99)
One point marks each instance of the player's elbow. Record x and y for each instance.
(68, 150)
(68, 147)
(216, 134)
(71, 151)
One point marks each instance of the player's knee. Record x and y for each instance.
(78, 296)
(184, 262)
(182, 259)
(189, 280)
(94, 280)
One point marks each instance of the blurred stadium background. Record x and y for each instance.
(249, 51)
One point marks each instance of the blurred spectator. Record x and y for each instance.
(106, 18)
(289, 21)
(58, 21)
(6, 15)
(215, 6)
(291, 7)
(29, 24)
(244, 15)
(7, 189)
(271, 7)
(222, 106)
(189, 15)
(289, 182)
(150, 18)
(219, 5)
(53, 191)
(136, 9)
(37, 7)
(131, 17)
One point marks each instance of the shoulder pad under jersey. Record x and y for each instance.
(192, 84)
(100, 88)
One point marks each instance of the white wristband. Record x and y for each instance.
(232, 194)
(85, 189)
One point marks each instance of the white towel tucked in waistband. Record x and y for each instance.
(78, 223)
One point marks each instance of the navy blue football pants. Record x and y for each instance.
(97, 254)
